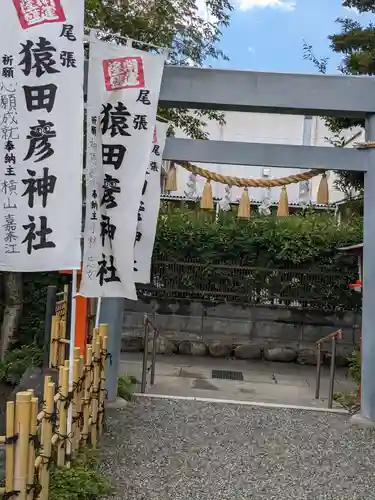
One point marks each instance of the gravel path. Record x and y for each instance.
(172, 450)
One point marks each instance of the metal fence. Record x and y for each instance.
(314, 288)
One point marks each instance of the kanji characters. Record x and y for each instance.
(39, 138)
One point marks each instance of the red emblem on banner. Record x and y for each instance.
(35, 12)
(155, 139)
(124, 73)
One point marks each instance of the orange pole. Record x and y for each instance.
(81, 316)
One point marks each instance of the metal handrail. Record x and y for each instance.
(333, 337)
(145, 368)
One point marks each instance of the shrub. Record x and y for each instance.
(17, 361)
(125, 387)
(355, 367)
(82, 481)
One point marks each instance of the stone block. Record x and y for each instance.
(272, 313)
(284, 332)
(227, 328)
(196, 309)
(132, 320)
(228, 311)
(282, 354)
(308, 357)
(163, 346)
(131, 344)
(192, 348)
(248, 351)
(220, 349)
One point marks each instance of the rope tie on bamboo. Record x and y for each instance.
(65, 399)
(35, 487)
(47, 461)
(34, 438)
(52, 418)
(10, 494)
(104, 389)
(11, 439)
(107, 355)
(65, 437)
(78, 386)
(78, 418)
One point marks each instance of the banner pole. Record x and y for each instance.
(98, 307)
(71, 359)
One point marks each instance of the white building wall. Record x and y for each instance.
(262, 128)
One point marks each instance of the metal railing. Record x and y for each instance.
(333, 337)
(315, 287)
(145, 368)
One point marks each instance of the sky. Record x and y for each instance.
(267, 35)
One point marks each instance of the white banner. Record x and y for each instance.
(41, 136)
(149, 208)
(123, 93)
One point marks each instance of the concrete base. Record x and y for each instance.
(363, 422)
(117, 404)
(263, 381)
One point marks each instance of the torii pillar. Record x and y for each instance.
(82, 308)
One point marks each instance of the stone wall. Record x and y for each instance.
(185, 325)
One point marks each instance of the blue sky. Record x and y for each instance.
(266, 35)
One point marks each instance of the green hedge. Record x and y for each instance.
(307, 244)
(309, 239)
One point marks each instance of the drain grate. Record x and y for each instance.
(227, 375)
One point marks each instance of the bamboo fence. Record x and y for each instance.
(35, 439)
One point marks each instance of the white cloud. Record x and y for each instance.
(353, 10)
(286, 5)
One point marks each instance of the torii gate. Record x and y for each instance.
(261, 92)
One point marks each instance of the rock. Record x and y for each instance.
(131, 344)
(219, 349)
(163, 346)
(248, 351)
(283, 354)
(307, 357)
(193, 348)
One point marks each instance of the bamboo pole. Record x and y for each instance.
(76, 401)
(95, 394)
(47, 431)
(54, 347)
(95, 335)
(61, 343)
(66, 300)
(103, 329)
(9, 448)
(63, 413)
(32, 449)
(22, 428)
(87, 394)
(81, 395)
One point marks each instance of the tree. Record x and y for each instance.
(176, 24)
(356, 44)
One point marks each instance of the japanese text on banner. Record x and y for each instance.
(123, 93)
(41, 141)
(149, 208)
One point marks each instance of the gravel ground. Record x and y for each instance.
(164, 449)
